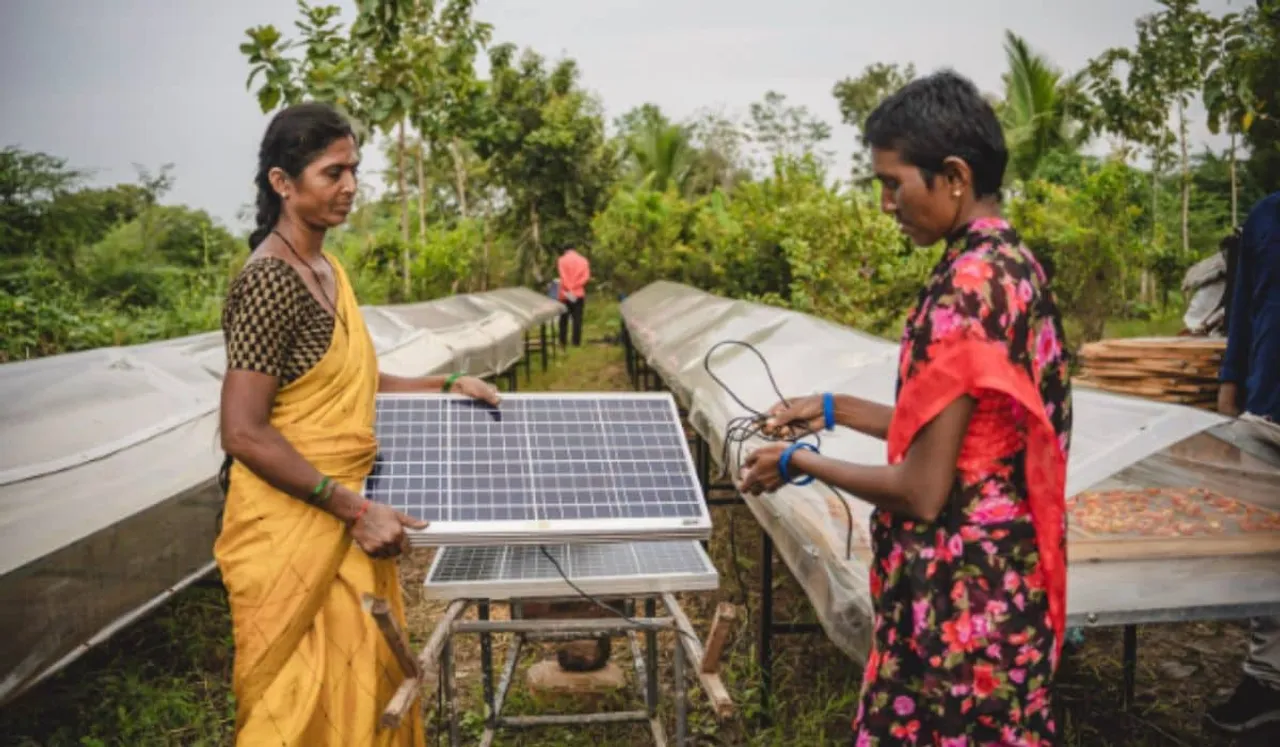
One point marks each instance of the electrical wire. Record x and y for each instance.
(742, 429)
(597, 602)
(739, 431)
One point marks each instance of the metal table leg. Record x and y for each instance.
(450, 693)
(486, 666)
(681, 705)
(651, 658)
(1130, 663)
(766, 625)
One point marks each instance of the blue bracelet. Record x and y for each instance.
(829, 411)
(784, 462)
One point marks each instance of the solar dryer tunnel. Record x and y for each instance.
(549, 497)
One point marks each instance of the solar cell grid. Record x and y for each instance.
(497, 572)
(608, 467)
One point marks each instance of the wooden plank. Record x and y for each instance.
(428, 661)
(1162, 548)
(720, 624)
(381, 611)
(712, 685)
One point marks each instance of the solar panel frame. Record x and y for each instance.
(506, 572)
(671, 506)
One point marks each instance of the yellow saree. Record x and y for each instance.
(311, 667)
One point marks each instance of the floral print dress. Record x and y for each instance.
(970, 608)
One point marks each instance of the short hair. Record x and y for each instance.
(938, 116)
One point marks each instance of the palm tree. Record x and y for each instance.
(662, 155)
(1043, 109)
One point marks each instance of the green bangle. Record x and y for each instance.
(449, 382)
(327, 494)
(317, 490)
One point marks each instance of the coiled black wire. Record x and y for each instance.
(743, 428)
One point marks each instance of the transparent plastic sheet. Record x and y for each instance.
(1211, 269)
(485, 341)
(108, 498)
(674, 326)
(534, 308)
(1205, 313)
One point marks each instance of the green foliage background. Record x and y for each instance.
(489, 176)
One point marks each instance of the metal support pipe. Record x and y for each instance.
(581, 628)
(451, 693)
(542, 346)
(528, 359)
(651, 658)
(766, 625)
(681, 702)
(1130, 663)
(613, 717)
(486, 662)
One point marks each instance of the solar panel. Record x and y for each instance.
(523, 572)
(541, 468)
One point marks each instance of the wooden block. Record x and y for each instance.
(720, 624)
(547, 678)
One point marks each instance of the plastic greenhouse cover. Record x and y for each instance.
(674, 326)
(534, 307)
(107, 494)
(483, 340)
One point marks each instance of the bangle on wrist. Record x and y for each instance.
(320, 487)
(364, 507)
(449, 382)
(784, 463)
(328, 493)
(829, 411)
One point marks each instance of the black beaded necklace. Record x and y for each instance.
(319, 284)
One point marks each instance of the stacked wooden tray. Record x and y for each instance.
(1156, 523)
(1179, 370)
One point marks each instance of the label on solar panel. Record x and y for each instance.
(540, 468)
(525, 572)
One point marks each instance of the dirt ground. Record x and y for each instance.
(165, 681)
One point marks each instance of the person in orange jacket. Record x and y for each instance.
(575, 272)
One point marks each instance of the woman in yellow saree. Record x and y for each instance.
(299, 545)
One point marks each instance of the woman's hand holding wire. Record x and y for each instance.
(796, 417)
(760, 472)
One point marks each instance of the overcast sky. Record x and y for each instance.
(109, 83)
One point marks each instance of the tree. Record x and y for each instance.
(549, 156)
(658, 153)
(1043, 110)
(371, 71)
(1262, 69)
(787, 132)
(453, 106)
(153, 186)
(1166, 69)
(1086, 235)
(1240, 89)
(30, 183)
(719, 159)
(858, 97)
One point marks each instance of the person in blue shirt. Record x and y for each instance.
(1250, 383)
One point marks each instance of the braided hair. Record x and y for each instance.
(294, 138)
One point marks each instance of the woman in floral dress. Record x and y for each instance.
(969, 578)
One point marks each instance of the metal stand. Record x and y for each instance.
(539, 346)
(437, 657)
(535, 631)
